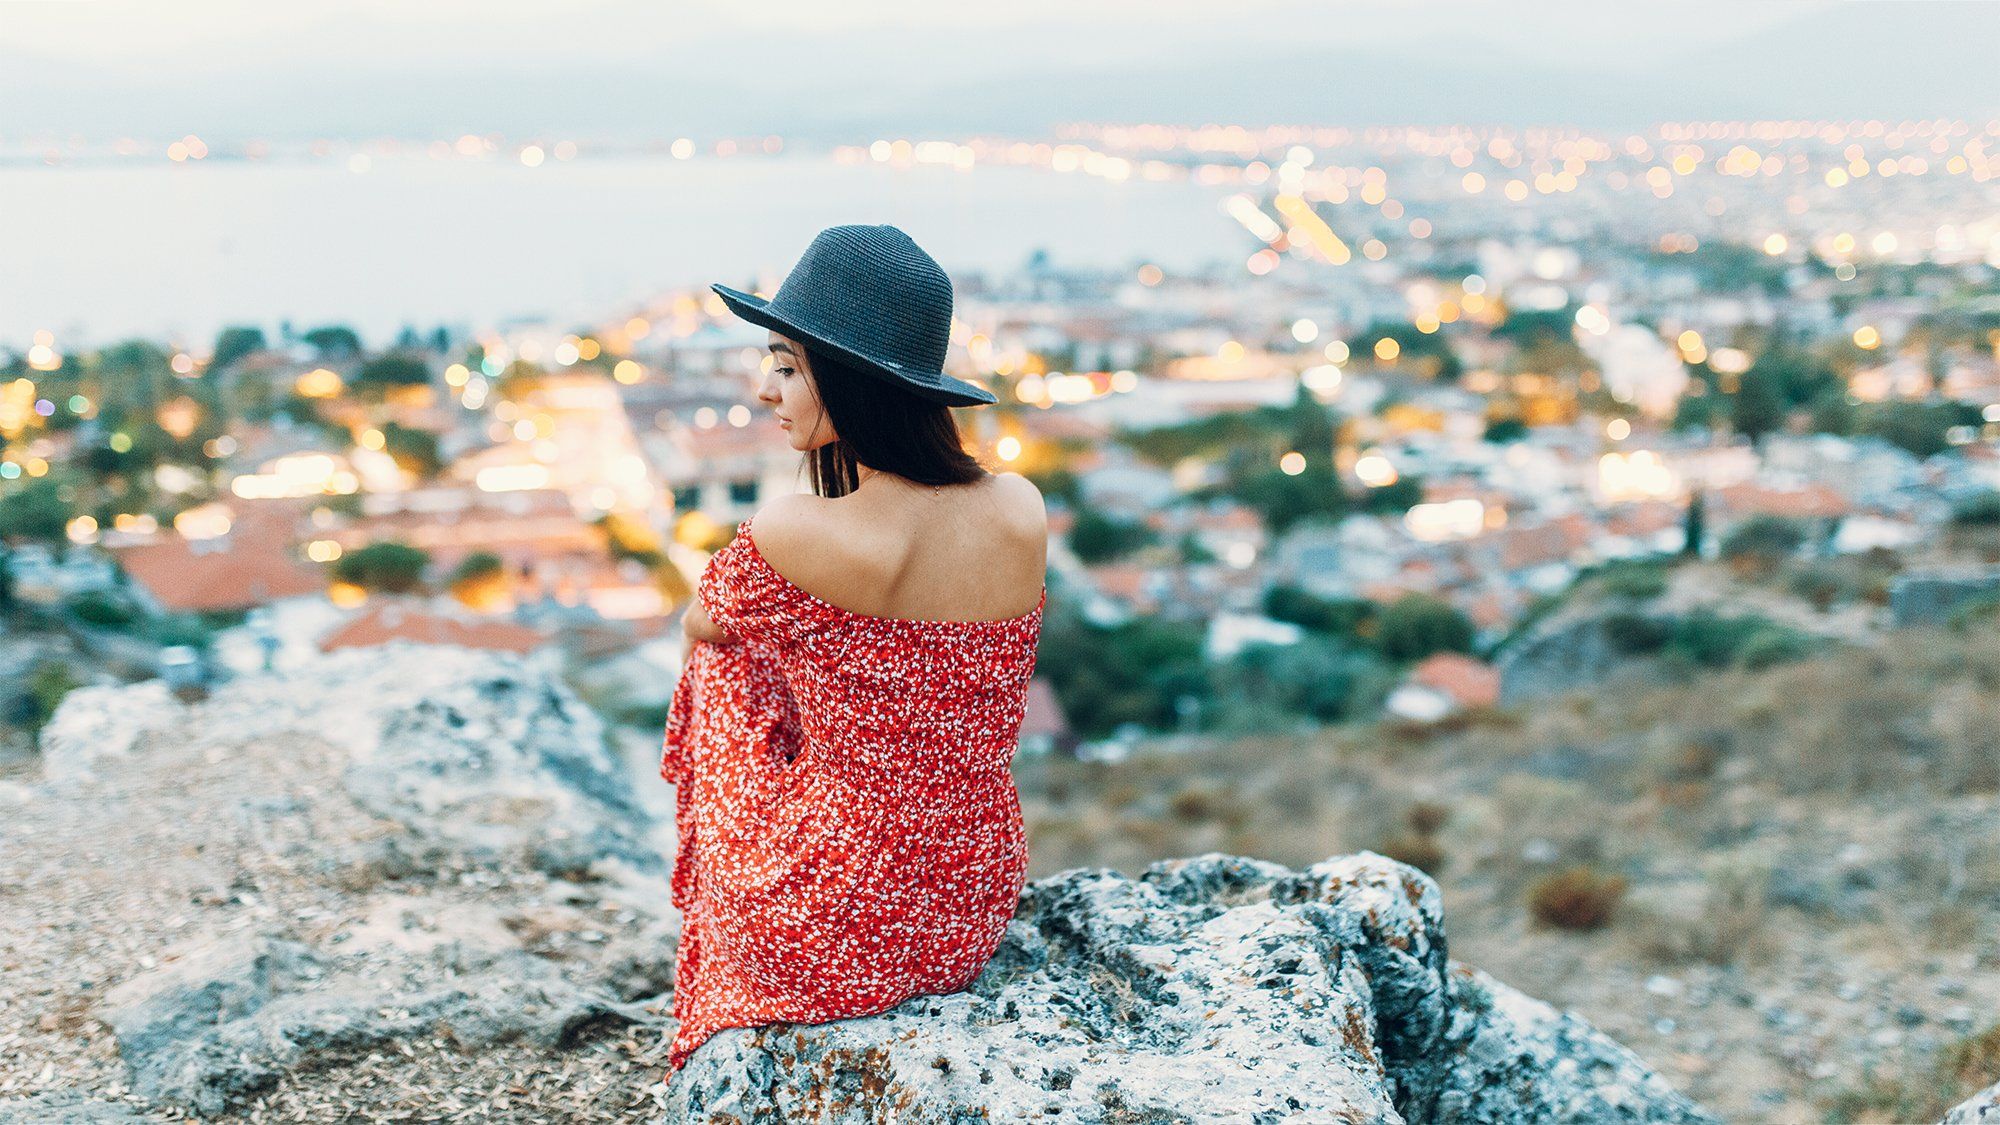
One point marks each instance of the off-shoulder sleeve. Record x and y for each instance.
(745, 598)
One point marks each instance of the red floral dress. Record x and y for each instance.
(850, 835)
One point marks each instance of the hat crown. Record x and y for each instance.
(872, 289)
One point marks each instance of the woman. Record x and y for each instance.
(840, 738)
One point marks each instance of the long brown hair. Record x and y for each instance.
(883, 427)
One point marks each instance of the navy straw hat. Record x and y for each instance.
(871, 296)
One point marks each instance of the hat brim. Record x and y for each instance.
(934, 385)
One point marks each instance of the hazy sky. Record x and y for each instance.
(376, 67)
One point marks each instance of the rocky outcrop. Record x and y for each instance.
(388, 853)
(1931, 597)
(1982, 1108)
(425, 865)
(473, 751)
(1207, 989)
(1578, 651)
(228, 1018)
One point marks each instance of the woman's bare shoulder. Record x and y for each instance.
(789, 524)
(1024, 499)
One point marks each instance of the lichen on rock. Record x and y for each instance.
(1211, 988)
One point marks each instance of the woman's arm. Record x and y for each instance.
(696, 626)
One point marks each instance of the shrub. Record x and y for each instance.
(476, 566)
(1825, 586)
(1635, 633)
(396, 568)
(1199, 803)
(96, 607)
(1712, 640)
(181, 629)
(1283, 499)
(1764, 539)
(1981, 509)
(480, 580)
(414, 450)
(1961, 1069)
(1578, 898)
(1974, 613)
(1973, 1063)
(1419, 846)
(1098, 538)
(1767, 647)
(1427, 818)
(1421, 852)
(1339, 617)
(1416, 625)
(47, 684)
(395, 369)
(38, 510)
(1921, 428)
(1132, 672)
(1636, 580)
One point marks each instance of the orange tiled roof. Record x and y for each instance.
(1120, 580)
(1554, 541)
(1522, 547)
(1487, 611)
(1472, 682)
(1384, 592)
(1644, 517)
(218, 577)
(1815, 499)
(394, 622)
(1230, 519)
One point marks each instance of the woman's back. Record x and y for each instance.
(974, 552)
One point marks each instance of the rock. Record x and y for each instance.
(483, 750)
(1210, 987)
(1575, 650)
(224, 1022)
(99, 722)
(164, 1019)
(1929, 597)
(1982, 1108)
(451, 770)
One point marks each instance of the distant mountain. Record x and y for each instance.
(1839, 61)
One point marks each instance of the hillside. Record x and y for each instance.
(420, 882)
(1808, 922)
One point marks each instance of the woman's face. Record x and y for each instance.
(786, 386)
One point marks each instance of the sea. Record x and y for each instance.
(96, 252)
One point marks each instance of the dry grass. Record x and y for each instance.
(1577, 898)
(1774, 826)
